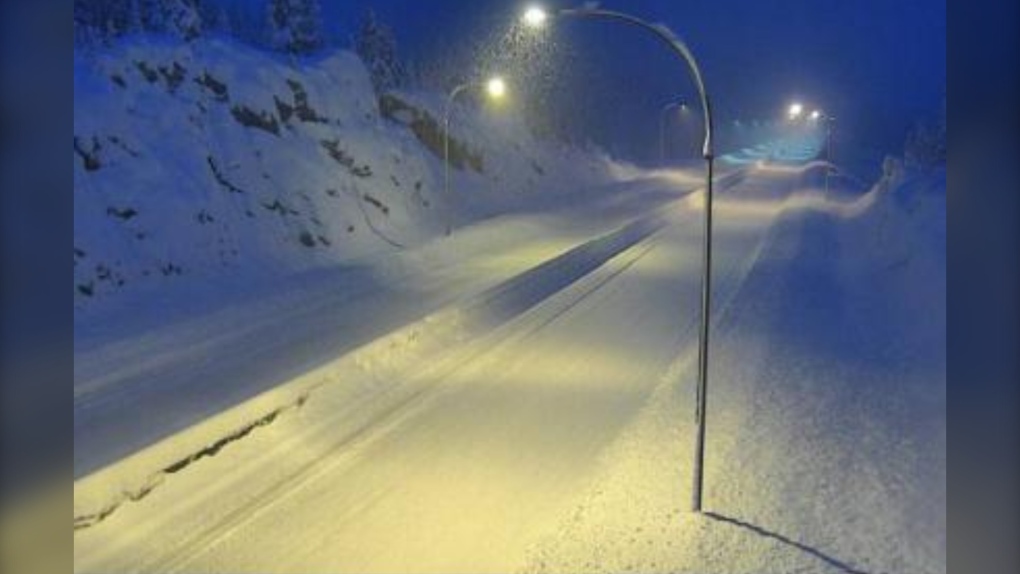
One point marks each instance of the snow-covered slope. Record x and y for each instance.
(211, 164)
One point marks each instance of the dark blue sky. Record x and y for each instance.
(875, 64)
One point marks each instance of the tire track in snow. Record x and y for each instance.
(435, 384)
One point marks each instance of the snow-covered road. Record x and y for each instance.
(470, 439)
(182, 360)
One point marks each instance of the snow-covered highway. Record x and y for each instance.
(572, 348)
(513, 417)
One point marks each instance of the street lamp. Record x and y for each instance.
(829, 123)
(796, 110)
(535, 17)
(495, 87)
(663, 125)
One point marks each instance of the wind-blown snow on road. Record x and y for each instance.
(520, 423)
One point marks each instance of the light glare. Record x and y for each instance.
(496, 88)
(535, 17)
(796, 110)
(816, 115)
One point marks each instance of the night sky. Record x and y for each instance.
(877, 65)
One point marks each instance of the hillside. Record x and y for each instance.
(207, 166)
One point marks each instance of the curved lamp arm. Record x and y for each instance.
(453, 96)
(666, 108)
(447, 111)
(676, 44)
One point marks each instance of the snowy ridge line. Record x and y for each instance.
(459, 321)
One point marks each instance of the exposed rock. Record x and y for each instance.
(214, 86)
(265, 121)
(430, 133)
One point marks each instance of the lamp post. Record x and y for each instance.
(817, 116)
(663, 125)
(536, 17)
(495, 87)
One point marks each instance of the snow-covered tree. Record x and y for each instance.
(99, 21)
(180, 18)
(136, 24)
(376, 44)
(295, 26)
(924, 146)
(86, 27)
(246, 22)
(942, 134)
(926, 142)
(221, 21)
(105, 20)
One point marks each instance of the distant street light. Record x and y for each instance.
(664, 125)
(535, 17)
(796, 110)
(495, 87)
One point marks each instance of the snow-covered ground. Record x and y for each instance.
(270, 377)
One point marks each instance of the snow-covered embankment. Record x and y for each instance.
(206, 167)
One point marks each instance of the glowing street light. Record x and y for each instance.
(496, 89)
(535, 17)
(816, 115)
(796, 110)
